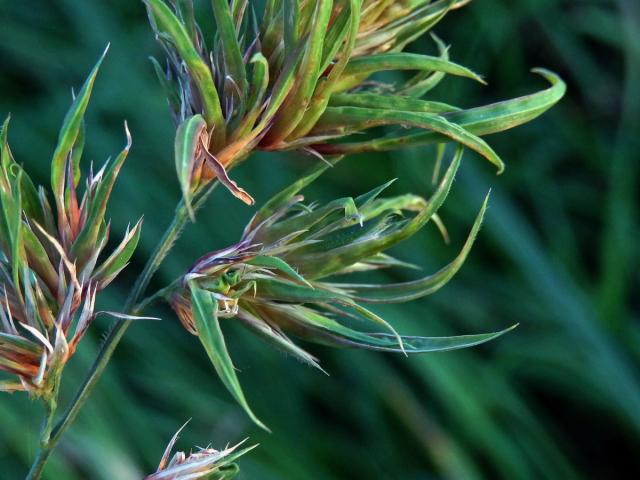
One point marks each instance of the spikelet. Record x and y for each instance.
(274, 280)
(50, 268)
(302, 75)
(203, 463)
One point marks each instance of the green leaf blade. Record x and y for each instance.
(69, 133)
(412, 290)
(187, 142)
(205, 314)
(87, 238)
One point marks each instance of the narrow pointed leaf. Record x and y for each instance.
(391, 102)
(313, 326)
(353, 119)
(286, 291)
(187, 143)
(87, 238)
(413, 344)
(321, 264)
(170, 92)
(508, 114)
(344, 209)
(294, 107)
(407, 291)
(71, 129)
(121, 255)
(287, 193)
(484, 120)
(362, 201)
(277, 263)
(39, 260)
(360, 68)
(259, 85)
(205, 315)
(12, 222)
(278, 339)
(76, 154)
(327, 85)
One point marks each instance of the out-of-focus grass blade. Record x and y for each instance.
(611, 370)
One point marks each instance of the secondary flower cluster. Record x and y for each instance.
(204, 463)
(50, 271)
(299, 76)
(273, 281)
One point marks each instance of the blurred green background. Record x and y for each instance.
(558, 398)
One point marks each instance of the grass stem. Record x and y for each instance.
(53, 435)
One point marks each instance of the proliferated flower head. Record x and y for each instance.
(298, 77)
(275, 280)
(49, 268)
(203, 463)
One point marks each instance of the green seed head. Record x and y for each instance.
(302, 76)
(51, 267)
(288, 276)
(204, 463)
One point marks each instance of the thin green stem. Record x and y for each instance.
(153, 298)
(180, 219)
(51, 404)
